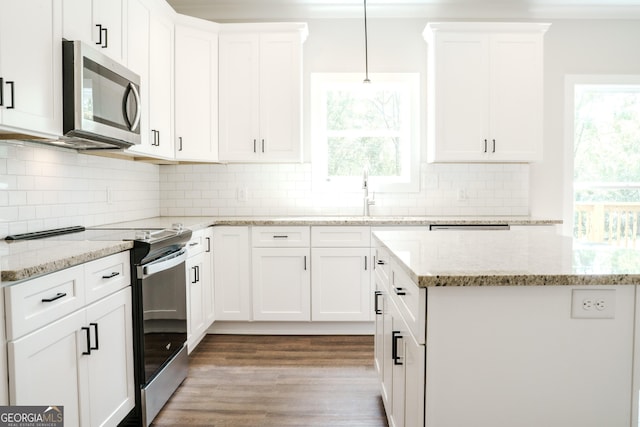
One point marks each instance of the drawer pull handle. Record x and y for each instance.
(95, 325)
(113, 274)
(208, 244)
(400, 291)
(395, 336)
(283, 236)
(57, 296)
(88, 332)
(376, 306)
(193, 244)
(381, 262)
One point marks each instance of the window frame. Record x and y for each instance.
(319, 134)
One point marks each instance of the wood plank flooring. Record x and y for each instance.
(243, 380)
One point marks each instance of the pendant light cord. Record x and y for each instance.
(366, 47)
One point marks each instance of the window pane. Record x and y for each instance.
(348, 156)
(363, 108)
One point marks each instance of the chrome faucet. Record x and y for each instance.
(366, 201)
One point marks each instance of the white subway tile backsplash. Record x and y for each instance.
(286, 189)
(46, 187)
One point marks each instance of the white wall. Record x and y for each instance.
(44, 187)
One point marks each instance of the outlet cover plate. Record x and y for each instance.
(593, 303)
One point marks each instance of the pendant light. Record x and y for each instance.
(366, 53)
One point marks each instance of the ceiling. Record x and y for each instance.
(285, 10)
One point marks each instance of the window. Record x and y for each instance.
(358, 126)
(606, 154)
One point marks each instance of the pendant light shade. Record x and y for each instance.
(366, 47)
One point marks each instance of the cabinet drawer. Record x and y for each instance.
(37, 302)
(280, 237)
(106, 275)
(197, 243)
(411, 301)
(340, 237)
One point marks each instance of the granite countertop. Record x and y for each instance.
(196, 223)
(508, 258)
(26, 259)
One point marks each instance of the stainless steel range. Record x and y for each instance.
(159, 318)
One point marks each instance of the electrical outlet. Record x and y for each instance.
(243, 194)
(593, 303)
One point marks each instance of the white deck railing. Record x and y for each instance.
(608, 222)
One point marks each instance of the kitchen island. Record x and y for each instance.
(505, 328)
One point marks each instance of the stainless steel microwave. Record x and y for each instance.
(101, 100)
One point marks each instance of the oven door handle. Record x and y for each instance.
(164, 263)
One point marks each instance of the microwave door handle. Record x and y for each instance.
(131, 88)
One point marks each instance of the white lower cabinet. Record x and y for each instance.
(341, 266)
(341, 284)
(281, 284)
(79, 353)
(199, 287)
(83, 362)
(281, 273)
(232, 274)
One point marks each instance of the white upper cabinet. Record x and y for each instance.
(261, 92)
(150, 55)
(99, 23)
(31, 66)
(196, 90)
(485, 92)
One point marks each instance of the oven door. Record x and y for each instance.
(164, 305)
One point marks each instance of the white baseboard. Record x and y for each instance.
(292, 328)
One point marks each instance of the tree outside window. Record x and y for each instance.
(358, 126)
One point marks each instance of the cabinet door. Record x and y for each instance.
(239, 92)
(196, 94)
(386, 385)
(516, 80)
(161, 85)
(77, 20)
(111, 392)
(232, 286)
(280, 97)
(107, 27)
(207, 274)
(138, 23)
(195, 290)
(400, 335)
(341, 284)
(460, 95)
(281, 284)
(47, 368)
(414, 367)
(31, 65)
(380, 304)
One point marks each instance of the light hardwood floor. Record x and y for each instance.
(242, 381)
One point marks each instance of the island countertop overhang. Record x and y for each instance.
(507, 258)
